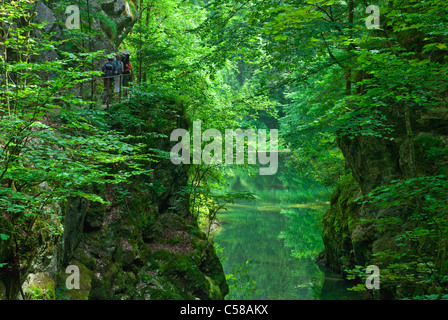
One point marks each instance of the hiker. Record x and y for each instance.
(109, 71)
(128, 75)
(119, 76)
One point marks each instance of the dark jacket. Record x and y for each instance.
(109, 69)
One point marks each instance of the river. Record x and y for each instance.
(268, 246)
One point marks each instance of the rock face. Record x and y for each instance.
(133, 249)
(374, 162)
(108, 22)
(144, 244)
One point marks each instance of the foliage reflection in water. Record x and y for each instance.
(268, 246)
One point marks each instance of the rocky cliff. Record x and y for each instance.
(107, 22)
(143, 243)
(350, 235)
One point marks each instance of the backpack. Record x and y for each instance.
(109, 70)
(118, 66)
(125, 60)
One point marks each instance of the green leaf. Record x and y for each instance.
(4, 236)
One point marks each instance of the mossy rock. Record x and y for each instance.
(339, 222)
(95, 216)
(210, 265)
(39, 286)
(126, 253)
(183, 271)
(102, 285)
(2, 291)
(124, 286)
(175, 240)
(168, 221)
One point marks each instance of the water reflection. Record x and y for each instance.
(280, 236)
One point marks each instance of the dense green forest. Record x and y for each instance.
(357, 92)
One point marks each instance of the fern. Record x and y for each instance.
(107, 24)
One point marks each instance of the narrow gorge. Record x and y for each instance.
(223, 150)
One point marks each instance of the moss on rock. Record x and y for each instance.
(2, 291)
(339, 222)
(39, 286)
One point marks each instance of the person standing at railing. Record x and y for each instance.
(128, 75)
(109, 72)
(119, 76)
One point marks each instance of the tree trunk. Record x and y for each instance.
(348, 75)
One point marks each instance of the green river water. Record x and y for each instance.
(268, 246)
